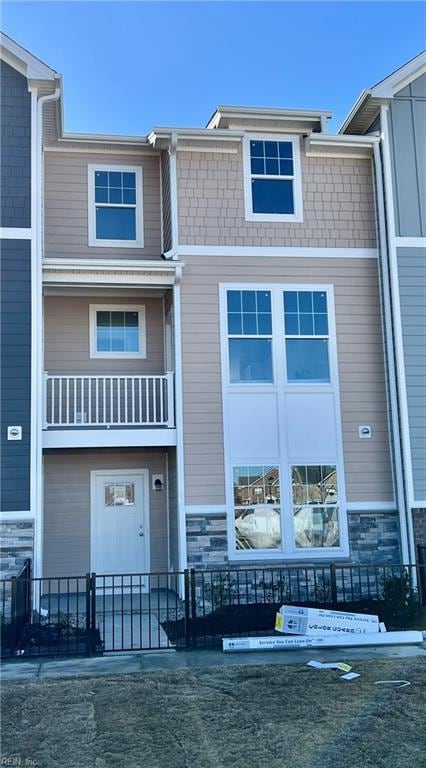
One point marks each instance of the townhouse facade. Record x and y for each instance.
(200, 331)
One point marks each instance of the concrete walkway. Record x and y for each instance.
(125, 663)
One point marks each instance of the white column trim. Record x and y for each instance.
(410, 242)
(276, 251)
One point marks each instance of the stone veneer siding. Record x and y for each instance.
(419, 524)
(374, 538)
(16, 546)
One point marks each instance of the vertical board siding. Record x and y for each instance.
(15, 373)
(15, 142)
(66, 342)
(368, 468)
(338, 204)
(67, 506)
(66, 206)
(412, 289)
(408, 140)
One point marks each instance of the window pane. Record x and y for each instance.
(286, 149)
(101, 195)
(132, 340)
(256, 485)
(234, 301)
(264, 323)
(103, 339)
(119, 494)
(305, 301)
(117, 319)
(314, 484)
(250, 360)
(286, 167)
(249, 323)
(320, 301)
(129, 180)
(263, 300)
(321, 325)
(257, 148)
(129, 196)
(258, 528)
(131, 319)
(235, 325)
(103, 319)
(316, 527)
(306, 324)
(257, 165)
(272, 196)
(115, 178)
(307, 360)
(101, 179)
(290, 301)
(271, 149)
(272, 166)
(249, 301)
(291, 323)
(115, 195)
(115, 223)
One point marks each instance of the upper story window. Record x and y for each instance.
(115, 206)
(272, 178)
(306, 337)
(250, 336)
(117, 331)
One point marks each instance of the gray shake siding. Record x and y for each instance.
(408, 138)
(412, 290)
(15, 142)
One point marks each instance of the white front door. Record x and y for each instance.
(120, 521)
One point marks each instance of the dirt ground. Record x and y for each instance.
(218, 717)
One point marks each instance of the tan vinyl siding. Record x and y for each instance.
(66, 211)
(360, 355)
(338, 204)
(67, 506)
(66, 343)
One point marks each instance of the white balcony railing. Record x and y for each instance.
(109, 401)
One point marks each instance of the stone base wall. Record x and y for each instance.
(419, 524)
(16, 546)
(373, 536)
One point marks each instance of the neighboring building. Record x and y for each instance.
(208, 367)
(396, 109)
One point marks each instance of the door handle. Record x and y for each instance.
(141, 533)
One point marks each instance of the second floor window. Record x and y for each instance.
(115, 206)
(272, 178)
(117, 331)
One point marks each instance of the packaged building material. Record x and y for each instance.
(296, 620)
(232, 644)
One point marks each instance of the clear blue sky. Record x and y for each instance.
(128, 66)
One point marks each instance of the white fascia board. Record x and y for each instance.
(24, 61)
(106, 139)
(360, 102)
(265, 113)
(277, 251)
(109, 438)
(386, 89)
(340, 145)
(83, 272)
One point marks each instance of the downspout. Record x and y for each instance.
(394, 321)
(37, 335)
(173, 253)
(180, 466)
(392, 381)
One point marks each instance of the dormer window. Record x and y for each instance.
(115, 206)
(272, 179)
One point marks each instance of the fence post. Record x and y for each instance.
(193, 609)
(187, 608)
(88, 615)
(333, 581)
(13, 627)
(93, 612)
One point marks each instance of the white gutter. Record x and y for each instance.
(37, 327)
(395, 319)
(392, 379)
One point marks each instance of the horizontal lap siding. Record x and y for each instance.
(66, 346)
(66, 211)
(338, 204)
(412, 289)
(361, 367)
(67, 506)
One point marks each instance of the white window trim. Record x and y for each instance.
(289, 552)
(295, 217)
(140, 308)
(92, 239)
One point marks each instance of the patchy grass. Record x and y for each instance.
(244, 717)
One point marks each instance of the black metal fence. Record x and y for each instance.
(193, 609)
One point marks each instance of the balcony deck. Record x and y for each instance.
(108, 410)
